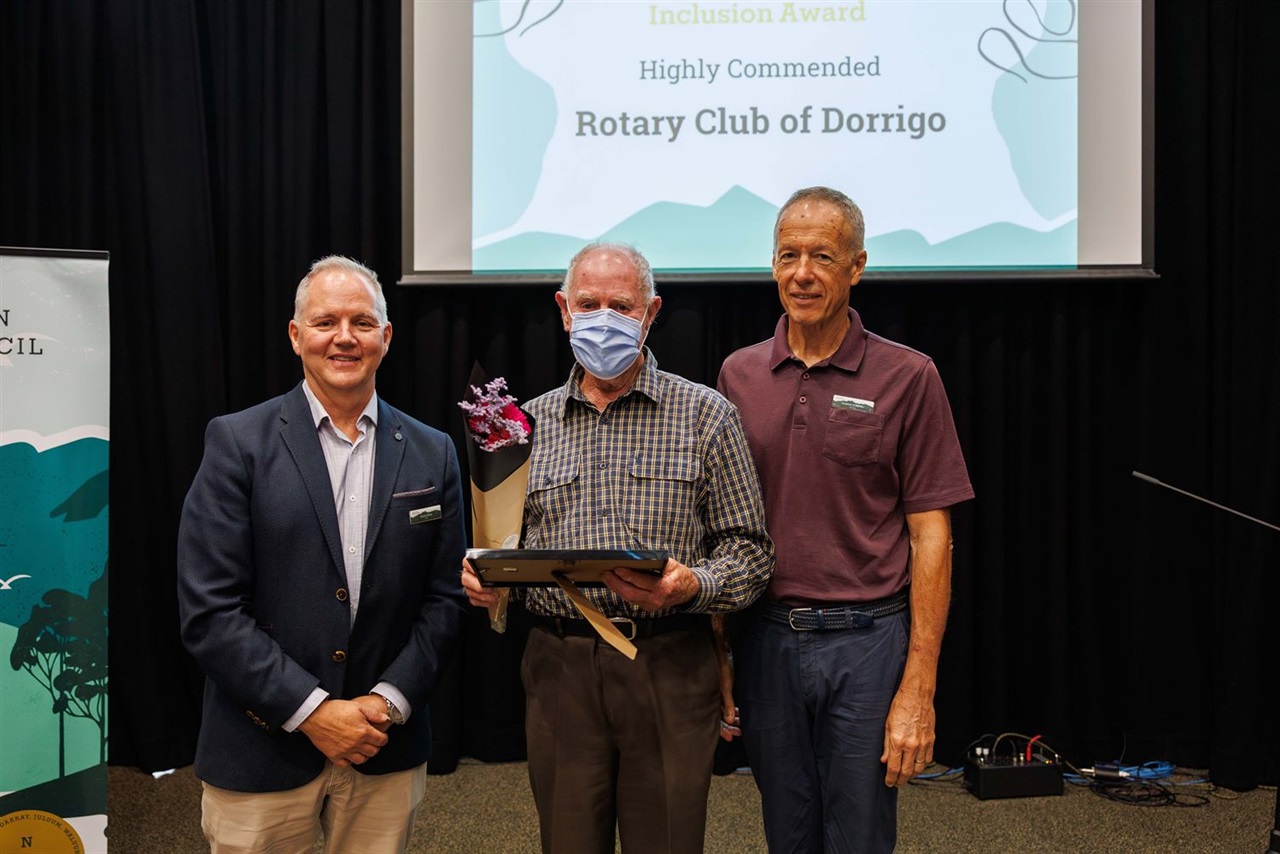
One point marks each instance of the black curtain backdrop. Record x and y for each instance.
(216, 147)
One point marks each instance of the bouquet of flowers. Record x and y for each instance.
(498, 456)
(494, 421)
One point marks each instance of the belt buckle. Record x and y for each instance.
(618, 622)
(791, 620)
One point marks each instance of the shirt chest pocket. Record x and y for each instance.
(662, 500)
(419, 509)
(853, 438)
(552, 497)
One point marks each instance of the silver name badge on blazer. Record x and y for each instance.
(839, 401)
(424, 514)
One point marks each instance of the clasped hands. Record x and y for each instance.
(348, 732)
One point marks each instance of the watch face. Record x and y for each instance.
(393, 712)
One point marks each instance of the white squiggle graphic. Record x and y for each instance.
(43, 443)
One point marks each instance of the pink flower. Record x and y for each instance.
(493, 419)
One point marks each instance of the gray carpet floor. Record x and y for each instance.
(487, 809)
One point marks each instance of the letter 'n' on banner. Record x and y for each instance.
(54, 410)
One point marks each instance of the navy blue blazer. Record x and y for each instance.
(263, 598)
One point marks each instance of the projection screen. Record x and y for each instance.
(981, 138)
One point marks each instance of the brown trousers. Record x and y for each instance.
(615, 741)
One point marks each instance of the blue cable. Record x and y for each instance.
(1158, 770)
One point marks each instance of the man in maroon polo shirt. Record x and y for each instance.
(835, 668)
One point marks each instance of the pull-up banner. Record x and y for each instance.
(54, 412)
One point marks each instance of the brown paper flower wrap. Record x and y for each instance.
(499, 444)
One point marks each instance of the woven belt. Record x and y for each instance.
(631, 629)
(858, 616)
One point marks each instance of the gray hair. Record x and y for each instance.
(644, 273)
(341, 262)
(852, 213)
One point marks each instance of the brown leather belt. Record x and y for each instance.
(630, 628)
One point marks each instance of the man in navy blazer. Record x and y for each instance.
(318, 558)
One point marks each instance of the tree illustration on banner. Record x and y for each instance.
(64, 648)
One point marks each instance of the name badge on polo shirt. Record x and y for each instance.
(424, 514)
(839, 401)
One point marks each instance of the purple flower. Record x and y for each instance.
(493, 419)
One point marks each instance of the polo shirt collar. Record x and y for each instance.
(848, 357)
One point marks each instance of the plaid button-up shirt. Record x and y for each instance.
(665, 466)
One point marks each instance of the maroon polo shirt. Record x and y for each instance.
(845, 449)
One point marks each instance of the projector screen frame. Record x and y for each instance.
(451, 222)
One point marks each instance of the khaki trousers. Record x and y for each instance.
(356, 812)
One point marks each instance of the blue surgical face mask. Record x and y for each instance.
(605, 342)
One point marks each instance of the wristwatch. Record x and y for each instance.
(392, 711)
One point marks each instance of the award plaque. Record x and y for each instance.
(542, 567)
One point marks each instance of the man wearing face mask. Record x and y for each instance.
(628, 456)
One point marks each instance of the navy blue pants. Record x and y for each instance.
(813, 708)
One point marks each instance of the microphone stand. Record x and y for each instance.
(1274, 847)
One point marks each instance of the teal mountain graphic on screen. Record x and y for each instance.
(53, 610)
(678, 237)
(673, 236)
